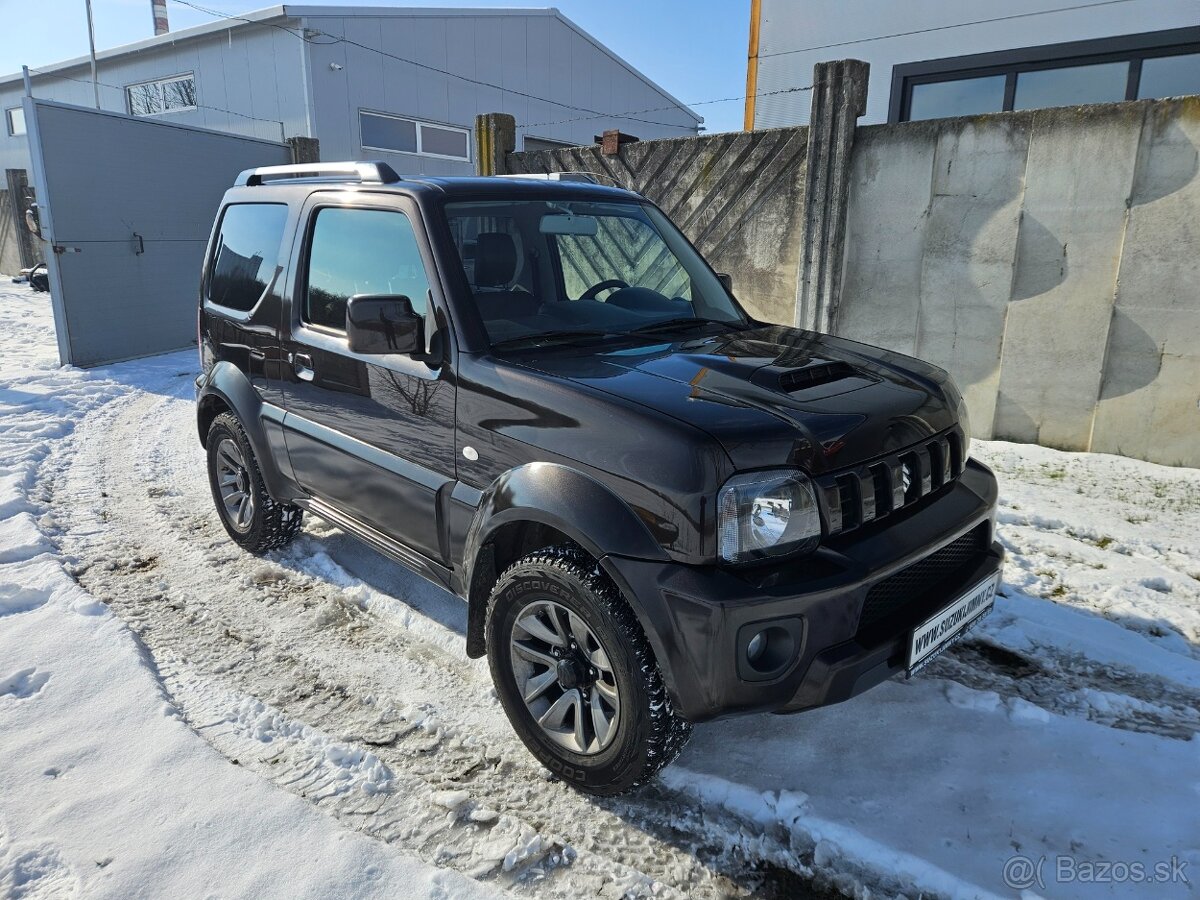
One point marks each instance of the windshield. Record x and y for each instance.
(570, 269)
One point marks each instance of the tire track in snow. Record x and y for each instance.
(272, 664)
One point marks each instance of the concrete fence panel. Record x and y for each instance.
(1049, 260)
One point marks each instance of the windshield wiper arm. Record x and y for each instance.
(549, 337)
(680, 322)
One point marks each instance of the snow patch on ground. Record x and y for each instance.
(104, 791)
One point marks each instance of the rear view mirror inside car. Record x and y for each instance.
(568, 224)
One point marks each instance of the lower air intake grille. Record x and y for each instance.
(908, 584)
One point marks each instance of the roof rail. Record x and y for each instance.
(363, 172)
(557, 176)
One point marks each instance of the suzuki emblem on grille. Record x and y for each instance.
(906, 477)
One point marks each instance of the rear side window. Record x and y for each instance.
(361, 251)
(247, 254)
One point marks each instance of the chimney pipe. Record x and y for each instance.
(159, 7)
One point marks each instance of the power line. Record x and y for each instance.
(476, 81)
(884, 37)
(792, 90)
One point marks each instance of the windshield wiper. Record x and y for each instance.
(680, 322)
(550, 337)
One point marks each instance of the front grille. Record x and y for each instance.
(922, 576)
(851, 499)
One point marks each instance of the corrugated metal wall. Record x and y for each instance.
(529, 51)
(130, 202)
(256, 72)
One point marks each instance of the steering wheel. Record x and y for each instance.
(607, 285)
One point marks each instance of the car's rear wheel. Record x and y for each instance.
(577, 676)
(250, 515)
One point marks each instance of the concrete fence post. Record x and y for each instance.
(305, 149)
(839, 97)
(495, 138)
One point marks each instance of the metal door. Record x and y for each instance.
(127, 205)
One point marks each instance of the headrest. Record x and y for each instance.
(495, 259)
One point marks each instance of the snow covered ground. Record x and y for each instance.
(178, 718)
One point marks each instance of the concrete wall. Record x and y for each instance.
(10, 249)
(885, 33)
(1049, 259)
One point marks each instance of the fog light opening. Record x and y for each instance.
(770, 650)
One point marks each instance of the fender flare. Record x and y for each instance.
(227, 384)
(565, 499)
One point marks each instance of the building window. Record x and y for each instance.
(15, 118)
(1170, 76)
(152, 98)
(531, 143)
(959, 97)
(1071, 85)
(399, 135)
(1128, 67)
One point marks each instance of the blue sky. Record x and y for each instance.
(696, 49)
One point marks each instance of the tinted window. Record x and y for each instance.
(361, 251)
(386, 133)
(1071, 86)
(962, 97)
(1170, 76)
(247, 254)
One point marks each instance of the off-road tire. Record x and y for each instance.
(272, 524)
(650, 734)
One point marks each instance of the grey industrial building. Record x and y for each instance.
(399, 84)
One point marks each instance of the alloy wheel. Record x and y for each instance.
(565, 677)
(233, 481)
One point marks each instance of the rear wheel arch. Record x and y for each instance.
(228, 390)
(208, 408)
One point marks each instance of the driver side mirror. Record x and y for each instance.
(378, 324)
(726, 281)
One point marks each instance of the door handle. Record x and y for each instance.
(303, 364)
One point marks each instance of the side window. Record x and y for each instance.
(625, 249)
(361, 251)
(247, 254)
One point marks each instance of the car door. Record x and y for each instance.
(371, 435)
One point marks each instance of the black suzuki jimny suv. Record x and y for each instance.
(537, 394)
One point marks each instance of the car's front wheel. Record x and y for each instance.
(253, 518)
(577, 676)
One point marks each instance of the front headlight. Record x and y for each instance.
(763, 514)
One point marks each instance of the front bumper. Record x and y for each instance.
(696, 618)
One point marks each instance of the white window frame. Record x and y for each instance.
(420, 125)
(8, 121)
(159, 82)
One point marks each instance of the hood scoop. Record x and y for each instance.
(815, 376)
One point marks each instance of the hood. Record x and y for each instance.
(773, 395)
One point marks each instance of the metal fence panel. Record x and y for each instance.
(127, 205)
